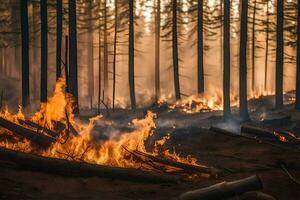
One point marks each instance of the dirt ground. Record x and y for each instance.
(237, 157)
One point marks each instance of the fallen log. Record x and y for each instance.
(29, 134)
(187, 167)
(38, 127)
(80, 169)
(224, 189)
(268, 134)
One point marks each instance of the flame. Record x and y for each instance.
(85, 147)
(280, 137)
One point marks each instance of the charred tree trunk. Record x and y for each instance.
(226, 60)
(25, 52)
(131, 55)
(44, 49)
(90, 53)
(73, 80)
(267, 47)
(115, 53)
(99, 63)
(157, 51)
(175, 50)
(279, 56)
(297, 105)
(67, 63)
(105, 52)
(200, 81)
(59, 10)
(243, 62)
(253, 45)
(35, 52)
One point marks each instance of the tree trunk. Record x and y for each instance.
(25, 52)
(115, 53)
(267, 48)
(73, 79)
(44, 49)
(157, 51)
(253, 46)
(99, 62)
(59, 10)
(175, 50)
(35, 52)
(297, 105)
(226, 60)
(105, 52)
(243, 62)
(279, 56)
(90, 53)
(131, 55)
(67, 63)
(200, 81)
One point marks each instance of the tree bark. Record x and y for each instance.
(279, 55)
(73, 69)
(157, 51)
(226, 60)
(200, 81)
(297, 105)
(131, 55)
(25, 52)
(99, 62)
(243, 62)
(175, 50)
(59, 10)
(44, 49)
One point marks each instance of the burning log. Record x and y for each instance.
(38, 127)
(224, 189)
(29, 134)
(184, 166)
(268, 134)
(73, 168)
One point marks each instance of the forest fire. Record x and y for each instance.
(113, 152)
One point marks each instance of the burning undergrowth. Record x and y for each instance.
(73, 139)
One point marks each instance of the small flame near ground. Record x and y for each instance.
(112, 152)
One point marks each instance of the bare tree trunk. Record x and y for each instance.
(226, 60)
(157, 51)
(73, 71)
(44, 49)
(267, 47)
(131, 55)
(35, 52)
(279, 56)
(66, 62)
(115, 53)
(99, 62)
(200, 81)
(1, 60)
(253, 46)
(297, 105)
(59, 10)
(90, 53)
(25, 52)
(105, 51)
(243, 62)
(175, 50)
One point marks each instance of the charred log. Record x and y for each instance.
(73, 168)
(224, 189)
(29, 134)
(38, 127)
(184, 166)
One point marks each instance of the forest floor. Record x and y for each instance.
(240, 157)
